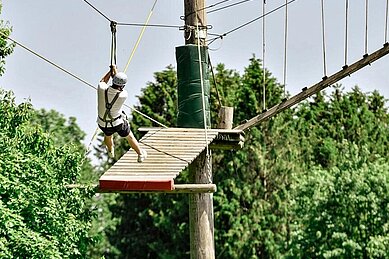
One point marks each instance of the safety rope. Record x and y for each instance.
(285, 45)
(207, 154)
(386, 21)
(214, 82)
(263, 55)
(346, 34)
(366, 24)
(113, 42)
(73, 75)
(140, 36)
(323, 39)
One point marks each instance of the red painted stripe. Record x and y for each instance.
(137, 185)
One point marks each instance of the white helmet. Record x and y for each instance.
(119, 79)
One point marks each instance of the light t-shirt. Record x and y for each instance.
(116, 109)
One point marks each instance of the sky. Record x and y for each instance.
(73, 35)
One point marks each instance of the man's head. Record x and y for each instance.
(119, 80)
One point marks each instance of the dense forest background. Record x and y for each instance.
(312, 182)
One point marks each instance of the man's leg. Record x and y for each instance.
(133, 143)
(108, 142)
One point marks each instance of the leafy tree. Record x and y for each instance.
(66, 131)
(326, 121)
(251, 205)
(254, 207)
(343, 212)
(5, 48)
(40, 217)
(344, 137)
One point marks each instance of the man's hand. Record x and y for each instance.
(113, 70)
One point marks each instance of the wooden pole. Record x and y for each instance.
(226, 117)
(200, 171)
(195, 17)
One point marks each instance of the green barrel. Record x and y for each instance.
(190, 101)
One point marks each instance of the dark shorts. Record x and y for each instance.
(123, 130)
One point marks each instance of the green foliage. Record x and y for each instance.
(64, 131)
(343, 212)
(267, 189)
(40, 217)
(5, 48)
(328, 120)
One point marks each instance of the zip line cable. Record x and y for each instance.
(140, 36)
(48, 61)
(228, 6)
(149, 25)
(323, 39)
(249, 22)
(74, 76)
(207, 7)
(97, 10)
(131, 24)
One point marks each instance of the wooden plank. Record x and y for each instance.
(137, 185)
(169, 152)
(127, 177)
(177, 189)
(347, 71)
(133, 170)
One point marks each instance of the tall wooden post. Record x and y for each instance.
(201, 220)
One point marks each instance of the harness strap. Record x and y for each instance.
(108, 107)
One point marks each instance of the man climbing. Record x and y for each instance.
(111, 118)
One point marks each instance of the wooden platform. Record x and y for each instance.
(170, 150)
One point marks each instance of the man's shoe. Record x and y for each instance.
(142, 156)
(111, 154)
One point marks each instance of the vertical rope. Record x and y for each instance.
(386, 21)
(207, 156)
(366, 23)
(263, 55)
(214, 82)
(323, 37)
(346, 36)
(285, 44)
(113, 43)
(140, 36)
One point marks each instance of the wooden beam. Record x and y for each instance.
(327, 81)
(178, 189)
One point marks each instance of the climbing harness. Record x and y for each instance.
(108, 107)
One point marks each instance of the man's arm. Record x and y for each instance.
(110, 73)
